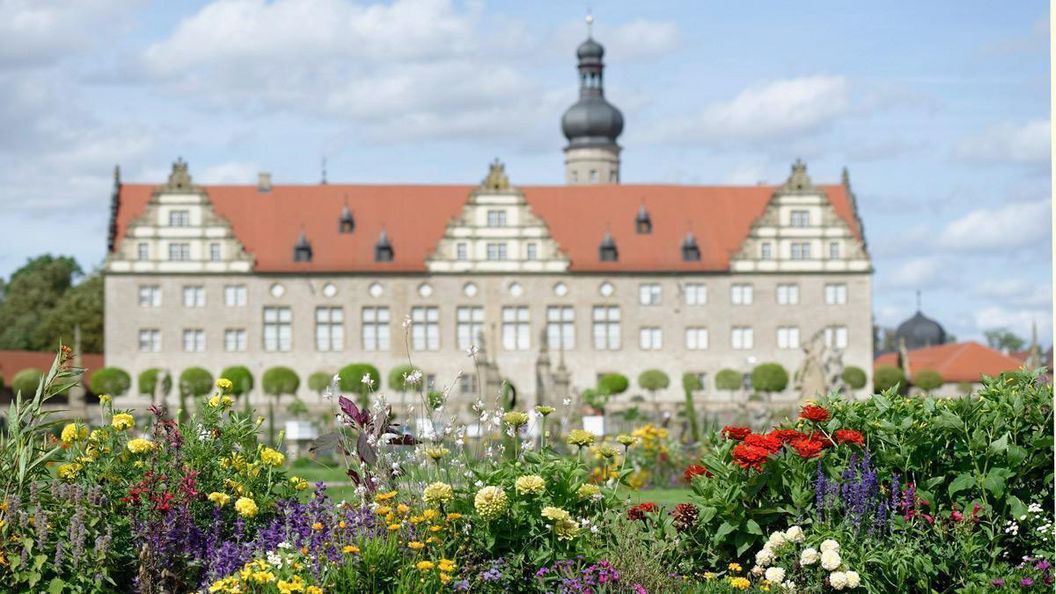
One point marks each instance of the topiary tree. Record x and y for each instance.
(886, 377)
(691, 383)
(194, 382)
(398, 378)
(728, 379)
(110, 380)
(612, 384)
(854, 377)
(927, 379)
(653, 380)
(319, 381)
(769, 377)
(26, 381)
(278, 381)
(351, 381)
(241, 379)
(148, 381)
(595, 399)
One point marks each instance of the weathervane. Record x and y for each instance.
(590, 23)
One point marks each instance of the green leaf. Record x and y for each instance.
(707, 514)
(881, 403)
(1016, 455)
(947, 420)
(1016, 506)
(723, 530)
(995, 481)
(961, 483)
(1000, 444)
(56, 586)
(753, 528)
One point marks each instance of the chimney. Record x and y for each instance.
(263, 181)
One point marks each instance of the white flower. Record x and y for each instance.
(413, 378)
(406, 322)
(274, 559)
(777, 539)
(758, 571)
(775, 575)
(285, 545)
(764, 557)
(830, 545)
(853, 579)
(789, 586)
(830, 560)
(567, 402)
(809, 556)
(838, 580)
(795, 534)
(367, 380)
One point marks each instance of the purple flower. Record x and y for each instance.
(639, 589)
(997, 583)
(1026, 582)
(1042, 565)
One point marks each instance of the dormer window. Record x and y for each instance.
(346, 224)
(302, 250)
(690, 249)
(643, 224)
(607, 250)
(383, 251)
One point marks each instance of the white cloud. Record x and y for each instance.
(1028, 143)
(918, 273)
(37, 32)
(232, 172)
(1016, 292)
(781, 109)
(1015, 225)
(1017, 320)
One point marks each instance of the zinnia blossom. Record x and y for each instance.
(693, 471)
(735, 433)
(580, 438)
(787, 435)
(530, 484)
(490, 502)
(220, 499)
(749, 456)
(813, 412)
(515, 418)
(72, 432)
(638, 512)
(766, 442)
(685, 516)
(246, 507)
(438, 493)
(807, 448)
(849, 436)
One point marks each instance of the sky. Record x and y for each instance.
(940, 111)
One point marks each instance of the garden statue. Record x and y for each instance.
(833, 365)
(810, 379)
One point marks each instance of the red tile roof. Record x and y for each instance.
(956, 362)
(415, 217)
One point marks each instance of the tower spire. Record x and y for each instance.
(590, 24)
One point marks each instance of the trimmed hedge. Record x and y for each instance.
(886, 377)
(110, 380)
(241, 379)
(278, 381)
(148, 381)
(854, 377)
(26, 381)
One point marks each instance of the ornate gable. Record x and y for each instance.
(179, 231)
(800, 231)
(497, 232)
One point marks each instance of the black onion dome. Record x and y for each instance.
(920, 331)
(592, 120)
(590, 50)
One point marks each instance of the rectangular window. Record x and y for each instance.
(194, 341)
(800, 250)
(834, 250)
(179, 218)
(650, 339)
(150, 296)
(787, 337)
(375, 328)
(496, 218)
(836, 336)
(496, 251)
(787, 294)
(469, 321)
(234, 340)
(741, 294)
(179, 252)
(560, 327)
(235, 295)
(142, 251)
(532, 252)
(696, 294)
(836, 294)
(696, 339)
(765, 252)
(800, 218)
(461, 251)
(467, 384)
(329, 329)
(193, 296)
(515, 330)
(425, 328)
(741, 338)
(150, 341)
(649, 294)
(606, 327)
(278, 329)
(214, 252)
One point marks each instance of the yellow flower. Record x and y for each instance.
(224, 384)
(219, 499)
(445, 577)
(436, 452)
(587, 491)
(246, 507)
(341, 524)
(625, 440)
(515, 418)
(272, 457)
(530, 484)
(453, 516)
(350, 550)
(415, 545)
(490, 502)
(446, 565)
(435, 529)
(385, 496)
(227, 401)
(105, 399)
(122, 421)
(402, 509)
(431, 540)
(555, 513)
(394, 527)
(415, 520)
(383, 510)
(580, 438)
(139, 445)
(438, 494)
(313, 590)
(430, 514)
(215, 401)
(298, 483)
(544, 410)
(708, 575)
(739, 583)
(97, 435)
(425, 565)
(607, 451)
(68, 471)
(72, 432)
(318, 526)
(735, 567)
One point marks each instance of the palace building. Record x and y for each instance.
(555, 284)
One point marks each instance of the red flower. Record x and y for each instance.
(849, 436)
(815, 413)
(694, 471)
(822, 439)
(736, 433)
(768, 443)
(638, 511)
(807, 448)
(749, 456)
(787, 435)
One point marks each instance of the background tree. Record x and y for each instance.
(81, 305)
(319, 381)
(110, 380)
(351, 381)
(276, 382)
(1003, 339)
(148, 381)
(195, 382)
(769, 378)
(888, 376)
(690, 384)
(927, 379)
(652, 381)
(26, 381)
(613, 384)
(29, 299)
(728, 379)
(854, 377)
